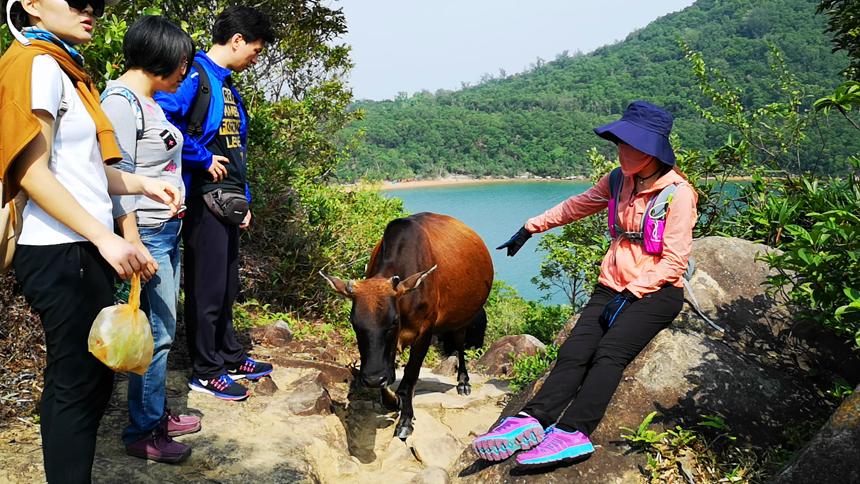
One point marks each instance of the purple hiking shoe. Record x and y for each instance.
(557, 446)
(511, 435)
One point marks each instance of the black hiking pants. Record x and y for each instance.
(591, 361)
(211, 287)
(67, 285)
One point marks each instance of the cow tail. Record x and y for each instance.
(476, 331)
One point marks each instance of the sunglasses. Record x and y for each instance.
(81, 5)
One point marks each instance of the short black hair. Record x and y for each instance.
(157, 46)
(18, 18)
(239, 19)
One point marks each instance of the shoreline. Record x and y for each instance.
(444, 182)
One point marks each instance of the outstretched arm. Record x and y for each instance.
(576, 207)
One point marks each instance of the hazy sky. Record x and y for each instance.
(409, 45)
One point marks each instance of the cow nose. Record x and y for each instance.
(374, 381)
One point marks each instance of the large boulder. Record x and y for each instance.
(730, 286)
(745, 375)
(833, 455)
(498, 360)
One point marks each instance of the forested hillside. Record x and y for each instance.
(540, 121)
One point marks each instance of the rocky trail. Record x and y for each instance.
(302, 425)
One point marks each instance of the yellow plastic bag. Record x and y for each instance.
(120, 337)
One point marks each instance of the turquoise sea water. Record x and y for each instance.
(495, 211)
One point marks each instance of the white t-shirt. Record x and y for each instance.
(75, 158)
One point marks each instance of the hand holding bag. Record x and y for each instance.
(121, 337)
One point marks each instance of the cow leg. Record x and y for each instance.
(406, 389)
(463, 386)
(459, 340)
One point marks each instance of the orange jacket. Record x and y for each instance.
(19, 126)
(626, 265)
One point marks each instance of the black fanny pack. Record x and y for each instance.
(229, 207)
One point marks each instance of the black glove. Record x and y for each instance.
(614, 307)
(516, 242)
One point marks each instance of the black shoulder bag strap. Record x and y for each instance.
(200, 106)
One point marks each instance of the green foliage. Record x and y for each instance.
(252, 313)
(544, 322)
(841, 389)
(509, 314)
(506, 311)
(643, 437)
(819, 266)
(844, 24)
(527, 369)
(680, 454)
(811, 218)
(541, 121)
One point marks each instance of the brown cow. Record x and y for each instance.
(401, 304)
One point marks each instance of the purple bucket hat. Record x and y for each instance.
(645, 127)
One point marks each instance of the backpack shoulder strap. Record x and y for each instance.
(65, 101)
(616, 180)
(200, 107)
(133, 101)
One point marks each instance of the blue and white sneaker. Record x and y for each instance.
(250, 369)
(222, 387)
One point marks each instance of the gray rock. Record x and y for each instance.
(308, 397)
(833, 455)
(497, 360)
(432, 475)
(265, 387)
(447, 367)
(277, 334)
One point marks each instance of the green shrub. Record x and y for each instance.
(819, 266)
(544, 322)
(506, 312)
(527, 369)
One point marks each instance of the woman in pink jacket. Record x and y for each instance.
(639, 291)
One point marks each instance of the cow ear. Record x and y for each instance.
(340, 287)
(412, 282)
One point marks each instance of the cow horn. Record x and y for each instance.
(342, 288)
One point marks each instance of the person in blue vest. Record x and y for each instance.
(208, 109)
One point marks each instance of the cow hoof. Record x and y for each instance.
(464, 388)
(403, 431)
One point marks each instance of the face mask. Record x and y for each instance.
(632, 160)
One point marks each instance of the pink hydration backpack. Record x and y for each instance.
(651, 229)
(653, 223)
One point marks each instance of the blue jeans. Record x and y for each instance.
(158, 299)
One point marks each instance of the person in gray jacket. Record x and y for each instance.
(157, 56)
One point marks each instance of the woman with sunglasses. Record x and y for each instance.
(156, 58)
(55, 145)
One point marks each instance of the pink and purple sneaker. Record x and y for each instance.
(511, 435)
(557, 445)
